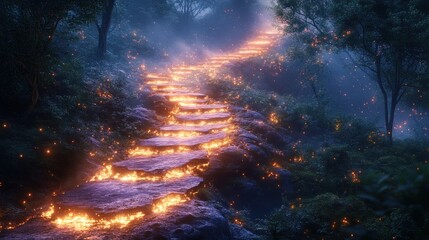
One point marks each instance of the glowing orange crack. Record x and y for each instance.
(162, 205)
(108, 173)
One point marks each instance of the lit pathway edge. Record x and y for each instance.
(136, 188)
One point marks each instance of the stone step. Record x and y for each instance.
(193, 101)
(202, 117)
(113, 196)
(187, 94)
(163, 162)
(158, 76)
(163, 142)
(170, 91)
(202, 107)
(165, 84)
(202, 129)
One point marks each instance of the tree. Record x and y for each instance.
(311, 66)
(385, 38)
(28, 29)
(141, 13)
(190, 9)
(103, 28)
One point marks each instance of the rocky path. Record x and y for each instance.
(151, 194)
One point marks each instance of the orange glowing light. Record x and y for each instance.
(215, 144)
(179, 134)
(173, 86)
(354, 177)
(181, 172)
(298, 159)
(151, 152)
(273, 118)
(184, 99)
(238, 222)
(107, 173)
(345, 221)
(162, 205)
(83, 222)
(48, 213)
(276, 165)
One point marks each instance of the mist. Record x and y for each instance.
(214, 119)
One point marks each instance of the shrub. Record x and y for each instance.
(356, 133)
(316, 218)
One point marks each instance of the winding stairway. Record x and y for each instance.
(162, 171)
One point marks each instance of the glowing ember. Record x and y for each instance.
(273, 118)
(216, 144)
(179, 134)
(185, 99)
(77, 222)
(83, 222)
(354, 177)
(48, 213)
(221, 110)
(107, 173)
(103, 174)
(151, 152)
(202, 123)
(162, 205)
(179, 173)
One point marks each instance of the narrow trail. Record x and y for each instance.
(162, 171)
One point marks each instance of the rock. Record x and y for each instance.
(162, 91)
(202, 128)
(162, 162)
(227, 162)
(285, 180)
(202, 107)
(93, 142)
(202, 117)
(252, 115)
(144, 116)
(247, 136)
(193, 101)
(257, 124)
(113, 196)
(165, 84)
(194, 141)
(265, 131)
(186, 94)
(254, 145)
(37, 229)
(239, 233)
(159, 104)
(192, 220)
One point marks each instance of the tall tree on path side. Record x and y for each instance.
(27, 30)
(104, 27)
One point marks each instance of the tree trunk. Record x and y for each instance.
(103, 29)
(33, 83)
(34, 93)
(389, 130)
(388, 117)
(102, 43)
